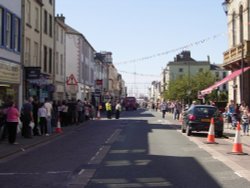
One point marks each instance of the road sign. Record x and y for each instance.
(71, 80)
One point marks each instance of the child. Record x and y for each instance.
(245, 122)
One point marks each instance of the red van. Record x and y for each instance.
(130, 103)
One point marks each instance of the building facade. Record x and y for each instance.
(10, 52)
(59, 65)
(237, 55)
(38, 48)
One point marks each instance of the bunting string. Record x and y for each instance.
(185, 47)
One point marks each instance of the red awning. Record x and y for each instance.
(223, 81)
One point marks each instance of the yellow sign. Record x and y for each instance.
(9, 72)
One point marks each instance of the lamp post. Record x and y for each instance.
(225, 8)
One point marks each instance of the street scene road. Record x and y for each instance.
(138, 150)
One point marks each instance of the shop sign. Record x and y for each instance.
(98, 82)
(9, 72)
(32, 72)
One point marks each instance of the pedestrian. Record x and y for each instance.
(108, 109)
(163, 107)
(42, 115)
(12, 122)
(35, 105)
(118, 109)
(27, 118)
(245, 122)
(49, 109)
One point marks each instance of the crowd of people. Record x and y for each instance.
(40, 118)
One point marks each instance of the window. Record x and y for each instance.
(224, 74)
(224, 86)
(45, 22)
(28, 13)
(27, 52)
(180, 69)
(1, 26)
(61, 64)
(8, 30)
(217, 74)
(57, 32)
(36, 52)
(37, 19)
(45, 58)
(57, 63)
(50, 2)
(62, 36)
(17, 35)
(50, 25)
(50, 60)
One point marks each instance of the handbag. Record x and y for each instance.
(32, 125)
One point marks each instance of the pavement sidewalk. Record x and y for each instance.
(7, 149)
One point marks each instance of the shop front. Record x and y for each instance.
(37, 84)
(9, 83)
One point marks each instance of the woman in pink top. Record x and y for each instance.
(12, 122)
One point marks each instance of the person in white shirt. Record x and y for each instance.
(49, 108)
(42, 119)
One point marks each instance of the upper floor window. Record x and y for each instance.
(50, 25)
(50, 2)
(1, 26)
(45, 23)
(180, 69)
(17, 35)
(28, 12)
(8, 30)
(57, 32)
(224, 74)
(36, 54)
(217, 74)
(37, 19)
(62, 35)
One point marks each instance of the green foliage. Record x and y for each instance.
(186, 88)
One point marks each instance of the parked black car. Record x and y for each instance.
(198, 118)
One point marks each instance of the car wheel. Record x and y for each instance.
(188, 131)
(220, 134)
(182, 129)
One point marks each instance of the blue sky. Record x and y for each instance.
(134, 29)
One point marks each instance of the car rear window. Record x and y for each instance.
(205, 111)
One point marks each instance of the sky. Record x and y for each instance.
(144, 35)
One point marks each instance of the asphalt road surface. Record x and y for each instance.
(138, 150)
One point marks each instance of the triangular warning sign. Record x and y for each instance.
(71, 80)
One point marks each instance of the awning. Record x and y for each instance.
(223, 81)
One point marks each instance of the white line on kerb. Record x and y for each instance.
(81, 171)
(237, 173)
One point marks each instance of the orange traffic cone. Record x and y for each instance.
(210, 136)
(58, 127)
(237, 147)
(98, 116)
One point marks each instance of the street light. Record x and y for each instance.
(225, 8)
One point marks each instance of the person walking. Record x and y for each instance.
(245, 122)
(163, 107)
(42, 115)
(49, 109)
(27, 118)
(108, 109)
(118, 109)
(12, 122)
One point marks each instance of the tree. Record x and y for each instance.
(186, 88)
